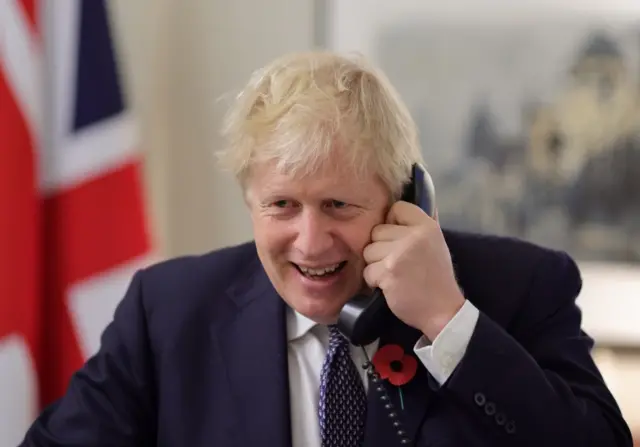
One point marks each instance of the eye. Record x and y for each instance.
(339, 204)
(282, 203)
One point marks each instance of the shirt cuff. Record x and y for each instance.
(445, 353)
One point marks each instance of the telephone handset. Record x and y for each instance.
(364, 316)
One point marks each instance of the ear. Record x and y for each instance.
(246, 195)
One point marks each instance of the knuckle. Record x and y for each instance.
(366, 253)
(422, 233)
(390, 264)
(369, 276)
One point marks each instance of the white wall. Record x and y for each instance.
(622, 374)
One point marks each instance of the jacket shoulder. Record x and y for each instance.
(189, 291)
(499, 274)
(506, 252)
(215, 268)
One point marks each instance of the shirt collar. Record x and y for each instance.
(297, 324)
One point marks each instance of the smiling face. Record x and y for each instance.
(310, 234)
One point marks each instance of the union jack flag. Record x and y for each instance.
(73, 225)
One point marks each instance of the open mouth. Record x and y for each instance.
(322, 272)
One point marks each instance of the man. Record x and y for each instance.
(239, 347)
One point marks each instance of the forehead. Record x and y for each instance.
(328, 180)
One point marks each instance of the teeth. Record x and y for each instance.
(319, 271)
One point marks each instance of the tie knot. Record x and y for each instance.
(335, 336)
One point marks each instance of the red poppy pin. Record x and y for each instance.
(393, 364)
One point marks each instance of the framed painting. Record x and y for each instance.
(530, 126)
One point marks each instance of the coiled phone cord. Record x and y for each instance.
(376, 381)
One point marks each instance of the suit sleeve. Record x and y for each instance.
(109, 400)
(539, 386)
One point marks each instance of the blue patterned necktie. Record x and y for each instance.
(343, 401)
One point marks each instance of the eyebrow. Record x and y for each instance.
(267, 195)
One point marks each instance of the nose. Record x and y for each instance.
(314, 237)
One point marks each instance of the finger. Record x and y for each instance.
(405, 213)
(376, 251)
(388, 232)
(372, 274)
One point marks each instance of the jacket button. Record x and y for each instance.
(511, 427)
(501, 419)
(490, 409)
(479, 399)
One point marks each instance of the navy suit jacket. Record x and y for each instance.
(196, 355)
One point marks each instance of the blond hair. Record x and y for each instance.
(303, 107)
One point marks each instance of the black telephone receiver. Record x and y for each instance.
(364, 316)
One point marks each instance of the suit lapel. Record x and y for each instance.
(416, 395)
(253, 345)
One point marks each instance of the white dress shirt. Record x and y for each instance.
(308, 344)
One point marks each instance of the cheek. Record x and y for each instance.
(272, 238)
(358, 238)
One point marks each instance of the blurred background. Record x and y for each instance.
(529, 115)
